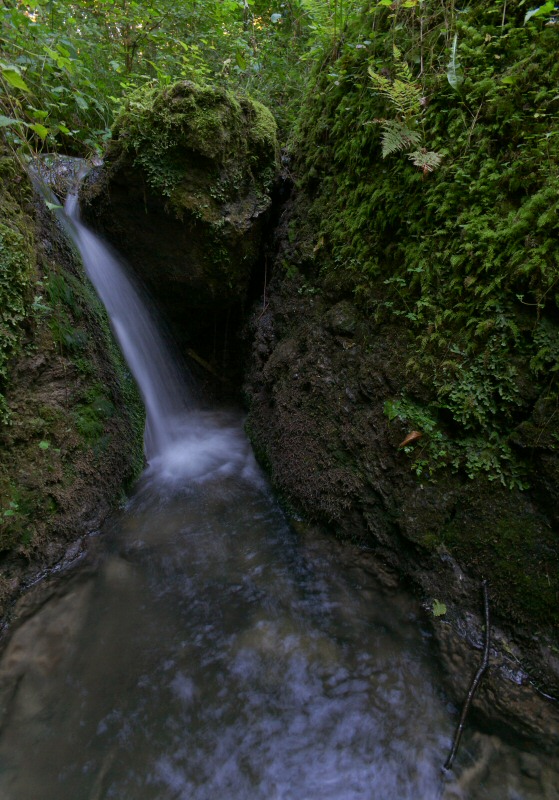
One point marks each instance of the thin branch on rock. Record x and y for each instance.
(474, 684)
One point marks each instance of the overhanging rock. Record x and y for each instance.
(183, 194)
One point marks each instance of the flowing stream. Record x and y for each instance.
(204, 649)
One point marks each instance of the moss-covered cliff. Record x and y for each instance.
(416, 292)
(71, 427)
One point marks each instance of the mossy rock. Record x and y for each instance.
(71, 431)
(17, 264)
(183, 194)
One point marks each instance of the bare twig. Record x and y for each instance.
(475, 682)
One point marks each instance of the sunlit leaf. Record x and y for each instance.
(39, 129)
(14, 79)
(547, 8)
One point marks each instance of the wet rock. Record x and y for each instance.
(184, 193)
(341, 319)
(317, 419)
(530, 766)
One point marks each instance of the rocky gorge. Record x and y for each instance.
(187, 192)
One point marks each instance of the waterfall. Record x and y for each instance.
(163, 389)
(181, 440)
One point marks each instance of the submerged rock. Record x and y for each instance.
(183, 193)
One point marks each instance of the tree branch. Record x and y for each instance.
(474, 684)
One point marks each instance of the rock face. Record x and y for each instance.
(319, 379)
(71, 434)
(183, 194)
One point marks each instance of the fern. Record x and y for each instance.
(427, 160)
(403, 95)
(397, 136)
(406, 98)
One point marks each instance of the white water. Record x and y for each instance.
(162, 388)
(207, 652)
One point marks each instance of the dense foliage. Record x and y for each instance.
(66, 66)
(431, 160)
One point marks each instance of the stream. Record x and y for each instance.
(203, 648)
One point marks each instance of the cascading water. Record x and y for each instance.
(162, 389)
(180, 440)
(207, 651)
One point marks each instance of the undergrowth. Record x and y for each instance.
(463, 251)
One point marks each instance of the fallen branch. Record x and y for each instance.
(474, 684)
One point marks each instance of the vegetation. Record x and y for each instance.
(431, 159)
(65, 66)
(423, 139)
(73, 403)
(17, 266)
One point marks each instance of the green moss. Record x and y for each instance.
(464, 256)
(75, 416)
(17, 267)
(164, 128)
(518, 556)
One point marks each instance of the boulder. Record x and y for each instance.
(183, 194)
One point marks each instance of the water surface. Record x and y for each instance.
(206, 650)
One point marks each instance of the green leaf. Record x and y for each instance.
(81, 102)
(13, 77)
(39, 129)
(439, 609)
(7, 121)
(547, 8)
(240, 59)
(52, 207)
(44, 445)
(454, 72)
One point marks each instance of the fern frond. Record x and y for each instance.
(401, 93)
(427, 160)
(406, 98)
(382, 84)
(397, 136)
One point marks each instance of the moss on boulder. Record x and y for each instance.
(183, 193)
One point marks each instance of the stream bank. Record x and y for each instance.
(71, 438)
(316, 390)
(413, 294)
